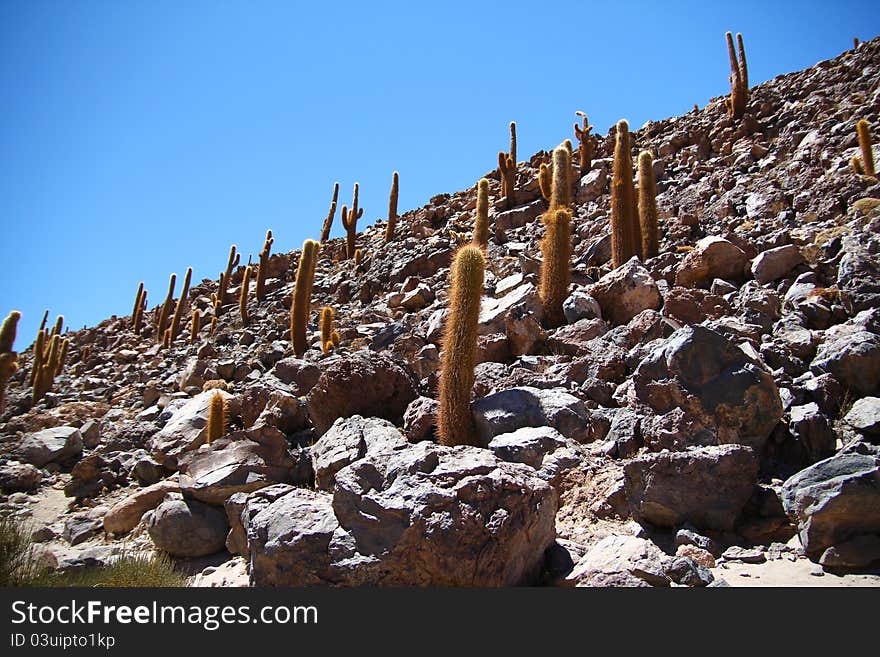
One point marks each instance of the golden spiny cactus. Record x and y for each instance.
(232, 263)
(739, 78)
(481, 225)
(866, 165)
(216, 418)
(59, 323)
(263, 270)
(349, 222)
(555, 265)
(43, 323)
(48, 366)
(196, 326)
(326, 325)
(392, 208)
(560, 196)
(454, 420)
(39, 355)
(856, 165)
(243, 296)
(507, 169)
(624, 239)
(8, 357)
(302, 292)
(138, 304)
(62, 356)
(648, 206)
(545, 181)
(181, 302)
(162, 323)
(358, 256)
(585, 143)
(334, 338)
(328, 222)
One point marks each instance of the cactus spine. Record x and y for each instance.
(8, 357)
(392, 208)
(585, 143)
(263, 270)
(349, 222)
(302, 292)
(560, 191)
(178, 311)
(326, 322)
(216, 418)
(328, 222)
(866, 165)
(196, 326)
(739, 78)
(507, 169)
(648, 206)
(454, 420)
(243, 296)
(623, 220)
(555, 265)
(481, 225)
(162, 322)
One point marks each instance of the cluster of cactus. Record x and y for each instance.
(650, 232)
(349, 222)
(243, 295)
(392, 208)
(50, 351)
(507, 169)
(216, 427)
(481, 224)
(865, 166)
(174, 330)
(328, 222)
(140, 306)
(739, 77)
(219, 297)
(263, 269)
(586, 147)
(302, 293)
(165, 311)
(329, 337)
(8, 357)
(454, 420)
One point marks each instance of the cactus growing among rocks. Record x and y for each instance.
(648, 206)
(392, 208)
(739, 78)
(585, 143)
(162, 322)
(243, 295)
(196, 326)
(328, 222)
(302, 292)
(263, 269)
(454, 421)
(8, 357)
(349, 222)
(181, 302)
(507, 169)
(481, 224)
(555, 265)
(216, 427)
(326, 326)
(624, 223)
(232, 263)
(866, 164)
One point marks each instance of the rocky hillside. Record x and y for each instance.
(715, 404)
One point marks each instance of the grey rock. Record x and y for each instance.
(185, 431)
(773, 264)
(55, 445)
(864, 416)
(858, 552)
(528, 445)
(15, 476)
(580, 305)
(853, 358)
(515, 408)
(187, 528)
(621, 561)
(625, 292)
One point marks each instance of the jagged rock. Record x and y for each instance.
(147, 471)
(620, 561)
(15, 476)
(858, 274)
(185, 431)
(625, 292)
(186, 528)
(55, 445)
(696, 554)
(572, 339)
(284, 412)
(706, 486)
(712, 257)
(90, 475)
(580, 305)
(80, 528)
(528, 445)
(300, 374)
(744, 555)
(700, 371)
(516, 218)
(125, 515)
(853, 358)
(811, 429)
(773, 264)
(351, 439)
(520, 301)
(592, 185)
(420, 419)
(864, 416)
(423, 516)
(515, 408)
(834, 500)
(693, 305)
(856, 553)
(365, 383)
(685, 571)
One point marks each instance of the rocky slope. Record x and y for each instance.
(717, 404)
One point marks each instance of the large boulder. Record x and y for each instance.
(620, 561)
(701, 372)
(15, 476)
(712, 257)
(776, 263)
(706, 486)
(186, 430)
(625, 292)
(364, 383)
(187, 528)
(348, 440)
(853, 357)
(423, 516)
(124, 516)
(834, 500)
(55, 445)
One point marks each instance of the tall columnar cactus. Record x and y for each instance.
(196, 326)
(358, 256)
(349, 222)
(866, 165)
(43, 323)
(739, 78)
(555, 265)
(62, 355)
(302, 293)
(481, 225)
(392, 208)
(263, 270)
(328, 222)
(454, 421)
(326, 325)
(625, 240)
(49, 366)
(181, 302)
(231, 264)
(545, 180)
(560, 196)
(137, 304)
(243, 296)
(648, 206)
(39, 355)
(59, 324)
(162, 322)
(8, 357)
(586, 147)
(216, 418)
(507, 169)
(138, 318)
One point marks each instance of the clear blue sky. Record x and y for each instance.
(139, 138)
